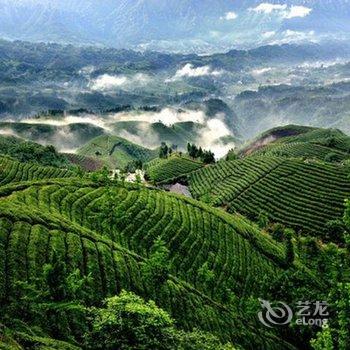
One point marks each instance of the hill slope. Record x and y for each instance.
(115, 151)
(67, 217)
(323, 144)
(13, 171)
(171, 169)
(299, 194)
(63, 137)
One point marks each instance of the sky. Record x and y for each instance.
(200, 26)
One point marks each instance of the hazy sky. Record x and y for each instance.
(188, 25)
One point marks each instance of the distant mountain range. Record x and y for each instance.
(184, 26)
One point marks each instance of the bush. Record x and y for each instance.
(331, 157)
(335, 230)
(128, 322)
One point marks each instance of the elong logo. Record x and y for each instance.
(281, 314)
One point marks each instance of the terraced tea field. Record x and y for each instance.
(217, 265)
(168, 170)
(302, 150)
(13, 171)
(51, 215)
(302, 195)
(317, 144)
(86, 163)
(116, 152)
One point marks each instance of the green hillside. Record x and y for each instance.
(115, 151)
(329, 145)
(303, 195)
(52, 219)
(93, 263)
(177, 134)
(14, 171)
(171, 169)
(27, 151)
(86, 163)
(68, 136)
(272, 135)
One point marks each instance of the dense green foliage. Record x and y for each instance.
(127, 322)
(206, 156)
(26, 151)
(302, 195)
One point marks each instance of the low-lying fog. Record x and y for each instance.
(207, 134)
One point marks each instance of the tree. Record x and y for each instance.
(231, 155)
(163, 150)
(205, 275)
(277, 231)
(157, 266)
(346, 217)
(128, 322)
(192, 150)
(208, 157)
(200, 152)
(331, 142)
(290, 254)
(78, 286)
(263, 219)
(335, 230)
(343, 311)
(55, 277)
(199, 340)
(102, 176)
(324, 340)
(331, 157)
(133, 165)
(138, 179)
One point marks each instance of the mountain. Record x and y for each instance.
(115, 151)
(190, 25)
(320, 106)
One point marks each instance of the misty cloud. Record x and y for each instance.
(282, 10)
(142, 134)
(210, 137)
(167, 116)
(261, 71)
(292, 36)
(8, 132)
(108, 82)
(190, 71)
(71, 119)
(229, 16)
